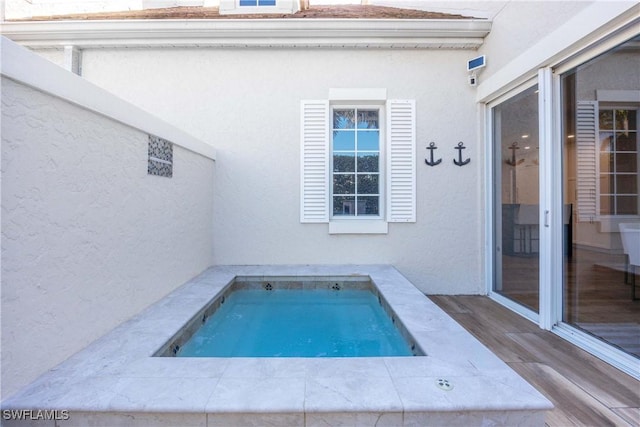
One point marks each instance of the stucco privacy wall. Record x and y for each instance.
(247, 101)
(88, 238)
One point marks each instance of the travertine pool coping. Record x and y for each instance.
(116, 381)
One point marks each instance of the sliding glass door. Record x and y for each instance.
(516, 193)
(566, 151)
(601, 188)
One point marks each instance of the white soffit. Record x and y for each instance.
(290, 33)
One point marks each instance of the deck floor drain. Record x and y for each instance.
(444, 384)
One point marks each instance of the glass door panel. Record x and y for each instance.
(601, 161)
(516, 195)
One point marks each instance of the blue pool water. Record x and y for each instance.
(297, 323)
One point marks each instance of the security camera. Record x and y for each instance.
(473, 65)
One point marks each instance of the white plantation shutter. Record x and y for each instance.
(401, 161)
(587, 155)
(315, 161)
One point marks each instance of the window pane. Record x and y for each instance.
(344, 162)
(267, 2)
(606, 119)
(368, 119)
(605, 205)
(627, 205)
(626, 184)
(633, 119)
(606, 184)
(368, 184)
(344, 184)
(344, 205)
(368, 162)
(623, 119)
(343, 119)
(344, 140)
(369, 140)
(356, 133)
(606, 163)
(247, 2)
(606, 139)
(626, 162)
(626, 142)
(368, 205)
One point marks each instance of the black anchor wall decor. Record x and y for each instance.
(432, 162)
(460, 162)
(513, 147)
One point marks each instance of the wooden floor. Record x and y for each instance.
(584, 390)
(597, 298)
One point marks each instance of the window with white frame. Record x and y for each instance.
(355, 162)
(257, 2)
(358, 161)
(231, 7)
(618, 174)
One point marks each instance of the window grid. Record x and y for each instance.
(618, 161)
(257, 2)
(365, 203)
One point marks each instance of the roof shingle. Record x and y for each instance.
(314, 12)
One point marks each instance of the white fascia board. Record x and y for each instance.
(363, 33)
(588, 26)
(32, 70)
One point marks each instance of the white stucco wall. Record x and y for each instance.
(527, 36)
(54, 55)
(247, 102)
(521, 24)
(88, 238)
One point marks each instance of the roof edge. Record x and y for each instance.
(294, 33)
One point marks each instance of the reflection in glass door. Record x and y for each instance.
(601, 164)
(516, 195)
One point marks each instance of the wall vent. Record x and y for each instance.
(160, 157)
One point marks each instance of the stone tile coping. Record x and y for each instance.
(117, 375)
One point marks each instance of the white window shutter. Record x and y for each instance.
(587, 155)
(401, 160)
(314, 161)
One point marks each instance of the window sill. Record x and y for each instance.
(611, 223)
(366, 226)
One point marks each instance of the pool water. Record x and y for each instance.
(297, 323)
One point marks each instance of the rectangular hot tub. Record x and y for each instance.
(454, 381)
(294, 317)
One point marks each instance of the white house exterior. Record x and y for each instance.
(269, 95)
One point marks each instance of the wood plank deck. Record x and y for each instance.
(584, 390)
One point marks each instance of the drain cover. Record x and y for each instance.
(444, 384)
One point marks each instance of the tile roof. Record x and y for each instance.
(314, 12)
